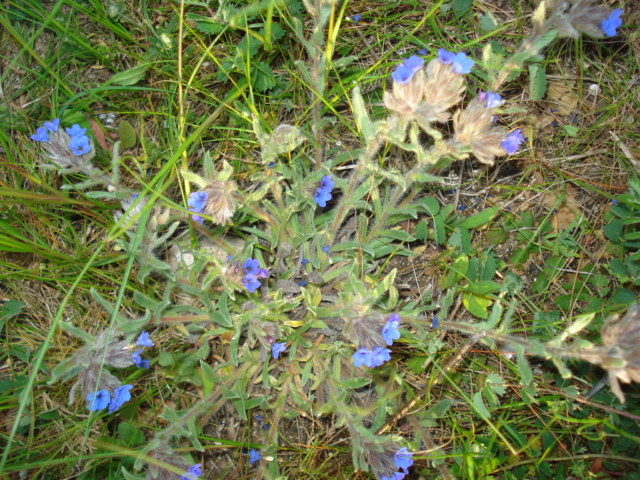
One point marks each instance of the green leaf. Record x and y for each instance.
(460, 7)
(439, 229)
(127, 135)
(526, 375)
(480, 407)
(480, 218)
(440, 409)
(537, 81)
(476, 304)
(487, 23)
(131, 76)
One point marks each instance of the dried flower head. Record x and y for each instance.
(380, 457)
(165, 454)
(405, 97)
(474, 128)
(220, 202)
(442, 89)
(69, 153)
(583, 16)
(365, 330)
(621, 357)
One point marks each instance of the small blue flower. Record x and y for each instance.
(193, 472)
(445, 57)
(462, 64)
(53, 125)
(121, 395)
(614, 201)
(98, 400)
(422, 51)
(303, 283)
(435, 322)
(304, 261)
(321, 197)
(277, 349)
(251, 265)
(379, 356)
(326, 249)
(390, 329)
(254, 456)
(326, 183)
(251, 283)
(612, 23)
(262, 273)
(79, 145)
(271, 164)
(362, 357)
(196, 203)
(512, 142)
(144, 340)
(402, 459)
(138, 361)
(41, 135)
(75, 130)
(407, 69)
(492, 99)
(356, 17)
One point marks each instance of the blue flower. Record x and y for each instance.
(98, 400)
(41, 135)
(303, 283)
(407, 69)
(277, 349)
(79, 145)
(251, 265)
(323, 193)
(196, 203)
(194, 471)
(144, 340)
(53, 125)
(304, 261)
(611, 23)
(121, 395)
(254, 456)
(326, 249)
(321, 197)
(75, 130)
(326, 183)
(379, 356)
(402, 459)
(262, 273)
(445, 57)
(362, 357)
(390, 330)
(138, 361)
(435, 322)
(492, 99)
(251, 283)
(512, 142)
(461, 64)
(422, 51)
(356, 17)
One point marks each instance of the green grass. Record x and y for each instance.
(467, 406)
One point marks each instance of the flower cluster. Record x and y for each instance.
(475, 129)
(69, 148)
(426, 95)
(323, 193)
(378, 355)
(142, 341)
(254, 273)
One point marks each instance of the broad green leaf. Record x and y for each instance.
(480, 407)
(537, 81)
(131, 76)
(480, 218)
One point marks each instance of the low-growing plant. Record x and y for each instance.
(279, 278)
